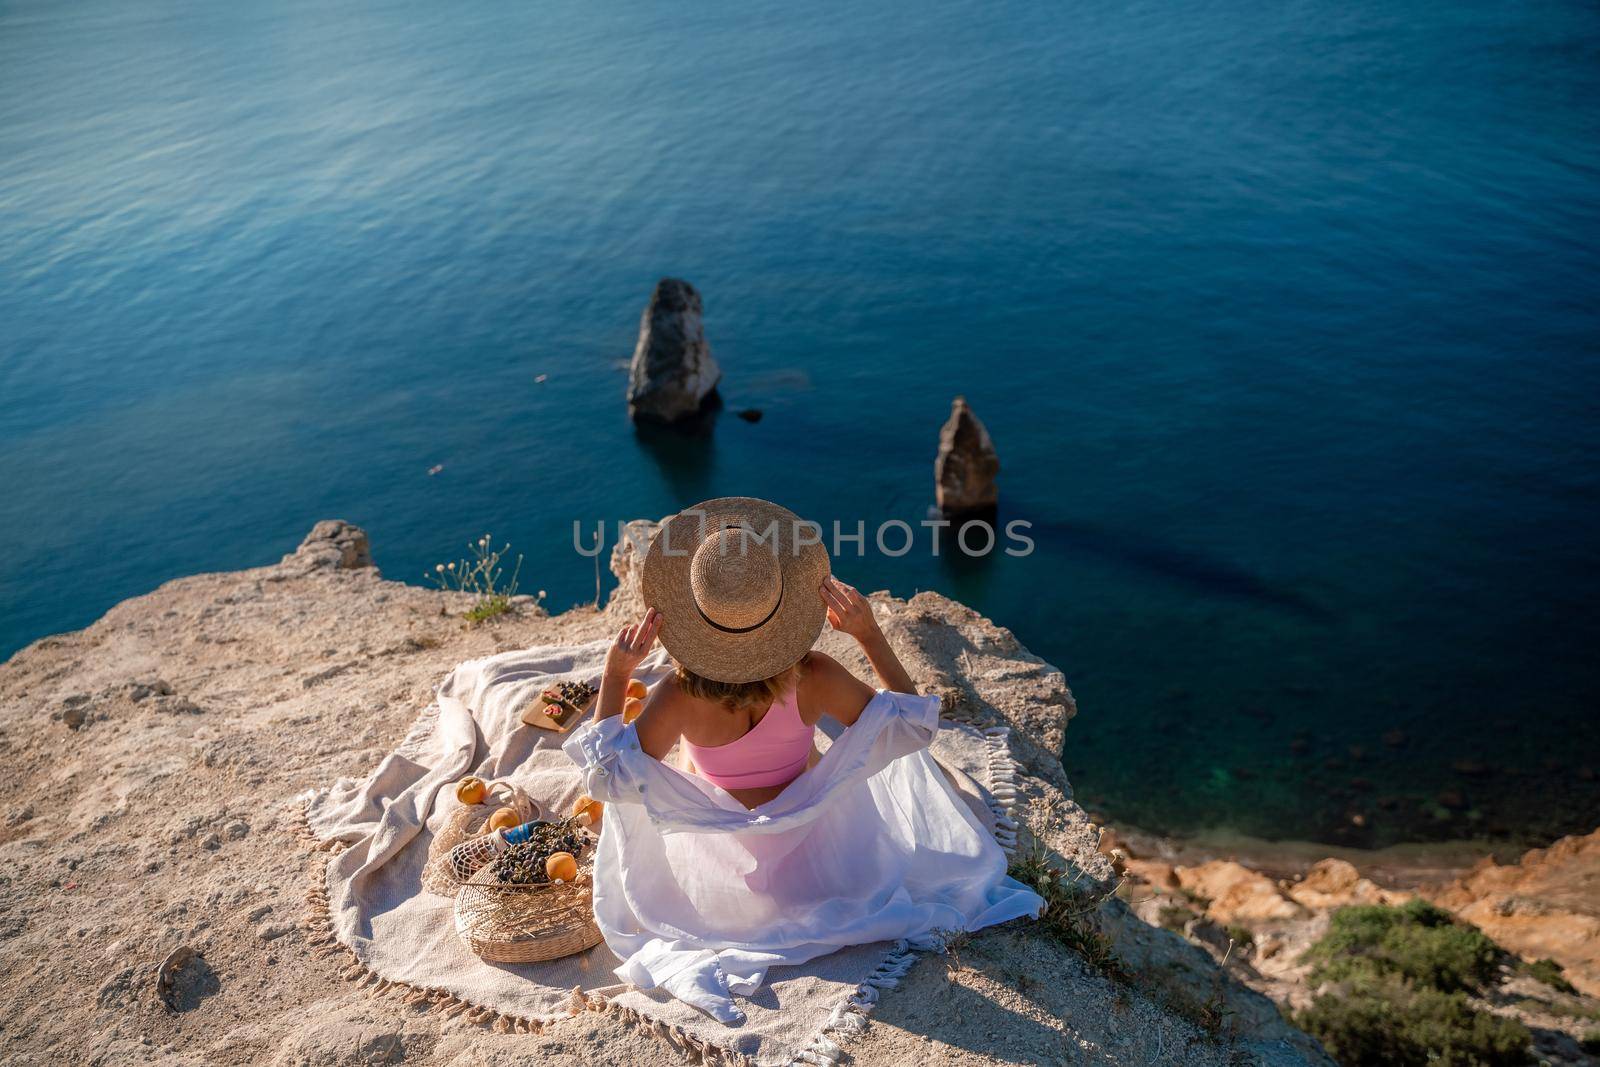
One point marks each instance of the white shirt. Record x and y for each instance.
(699, 895)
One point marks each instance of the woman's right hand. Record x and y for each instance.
(848, 611)
(632, 645)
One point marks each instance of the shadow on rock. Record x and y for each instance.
(185, 979)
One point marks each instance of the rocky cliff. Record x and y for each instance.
(149, 770)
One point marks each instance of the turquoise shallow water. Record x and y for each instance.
(1283, 319)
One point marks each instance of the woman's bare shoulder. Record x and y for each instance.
(819, 663)
(668, 696)
(830, 688)
(661, 721)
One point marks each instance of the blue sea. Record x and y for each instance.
(1285, 320)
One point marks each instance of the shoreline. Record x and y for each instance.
(1402, 866)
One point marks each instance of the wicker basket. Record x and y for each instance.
(506, 923)
(468, 821)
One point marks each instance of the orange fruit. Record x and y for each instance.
(471, 790)
(561, 867)
(588, 806)
(504, 819)
(631, 709)
(636, 689)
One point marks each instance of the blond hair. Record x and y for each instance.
(739, 696)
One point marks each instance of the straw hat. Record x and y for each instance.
(737, 581)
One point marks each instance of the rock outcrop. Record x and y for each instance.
(674, 376)
(964, 470)
(1545, 905)
(159, 818)
(1335, 883)
(1235, 894)
(333, 544)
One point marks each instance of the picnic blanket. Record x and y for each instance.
(403, 938)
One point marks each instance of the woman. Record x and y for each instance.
(764, 852)
(753, 738)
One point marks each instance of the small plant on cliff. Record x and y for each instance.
(1393, 987)
(481, 573)
(1071, 908)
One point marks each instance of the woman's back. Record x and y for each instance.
(770, 753)
(774, 744)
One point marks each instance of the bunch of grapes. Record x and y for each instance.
(524, 864)
(520, 865)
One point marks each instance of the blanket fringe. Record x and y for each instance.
(1003, 789)
(848, 1019)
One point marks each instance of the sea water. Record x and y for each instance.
(1284, 319)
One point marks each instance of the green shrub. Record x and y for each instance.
(1416, 941)
(1549, 972)
(1382, 1019)
(1591, 1041)
(1393, 985)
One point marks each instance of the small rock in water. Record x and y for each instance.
(964, 470)
(750, 414)
(673, 375)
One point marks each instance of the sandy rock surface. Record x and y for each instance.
(151, 881)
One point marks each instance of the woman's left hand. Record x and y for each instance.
(633, 643)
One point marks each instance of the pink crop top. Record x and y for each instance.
(774, 752)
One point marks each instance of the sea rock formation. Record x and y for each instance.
(964, 470)
(166, 819)
(674, 376)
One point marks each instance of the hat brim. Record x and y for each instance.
(692, 639)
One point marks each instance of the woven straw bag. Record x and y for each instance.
(468, 821)
(508, 923)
